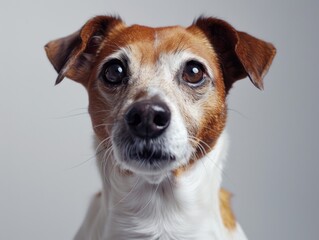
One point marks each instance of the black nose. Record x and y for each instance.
(148, 119)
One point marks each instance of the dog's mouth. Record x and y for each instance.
(150, 153)
(144, 156)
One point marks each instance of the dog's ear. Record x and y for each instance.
(240, 54)
(73, 55)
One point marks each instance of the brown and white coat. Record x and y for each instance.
(180, 198)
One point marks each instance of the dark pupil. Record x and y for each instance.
(114, 73)
(193, 73)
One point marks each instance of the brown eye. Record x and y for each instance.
(193, 73)
(114, 72)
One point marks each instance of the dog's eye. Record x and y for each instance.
(193, 73)
(114, 72)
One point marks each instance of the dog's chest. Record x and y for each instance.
(164, 211)
(156, 217)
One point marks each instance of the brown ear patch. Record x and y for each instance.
(59, 50)
(73, 55)
(256, 56)
(226, 210)
(239, 53)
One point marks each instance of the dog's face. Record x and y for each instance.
(157, 95)
(162, 84)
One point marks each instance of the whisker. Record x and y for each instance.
(103, 125)
(80, 164)
(72, 115)
(204, 152)
(152, 196)
(126, 196)
(171, 186)
(97, 152)
(106, 158)
(102, 111)
(239, 113)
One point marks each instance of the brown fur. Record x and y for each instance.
(226, 210)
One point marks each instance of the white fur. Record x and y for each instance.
(185, 208)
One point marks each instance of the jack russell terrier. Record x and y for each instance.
(157, 101)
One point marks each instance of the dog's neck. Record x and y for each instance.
(183, 207)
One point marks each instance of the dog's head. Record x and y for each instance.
(157, 95)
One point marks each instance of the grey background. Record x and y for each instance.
(47, 173)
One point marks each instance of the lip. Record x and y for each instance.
(151, 156)
(147, 153)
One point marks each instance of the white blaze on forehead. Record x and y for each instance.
(156, 40)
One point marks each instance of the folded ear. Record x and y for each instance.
(240, 54)
(73, 55)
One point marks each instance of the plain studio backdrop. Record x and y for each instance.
(47, 166)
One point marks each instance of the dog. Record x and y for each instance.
(157, 101)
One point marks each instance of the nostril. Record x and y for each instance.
(161, 119)
(133, 117)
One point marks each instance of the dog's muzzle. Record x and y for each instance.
(147, 119)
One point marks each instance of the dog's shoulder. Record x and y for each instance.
(227, 213)
(235, 231)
